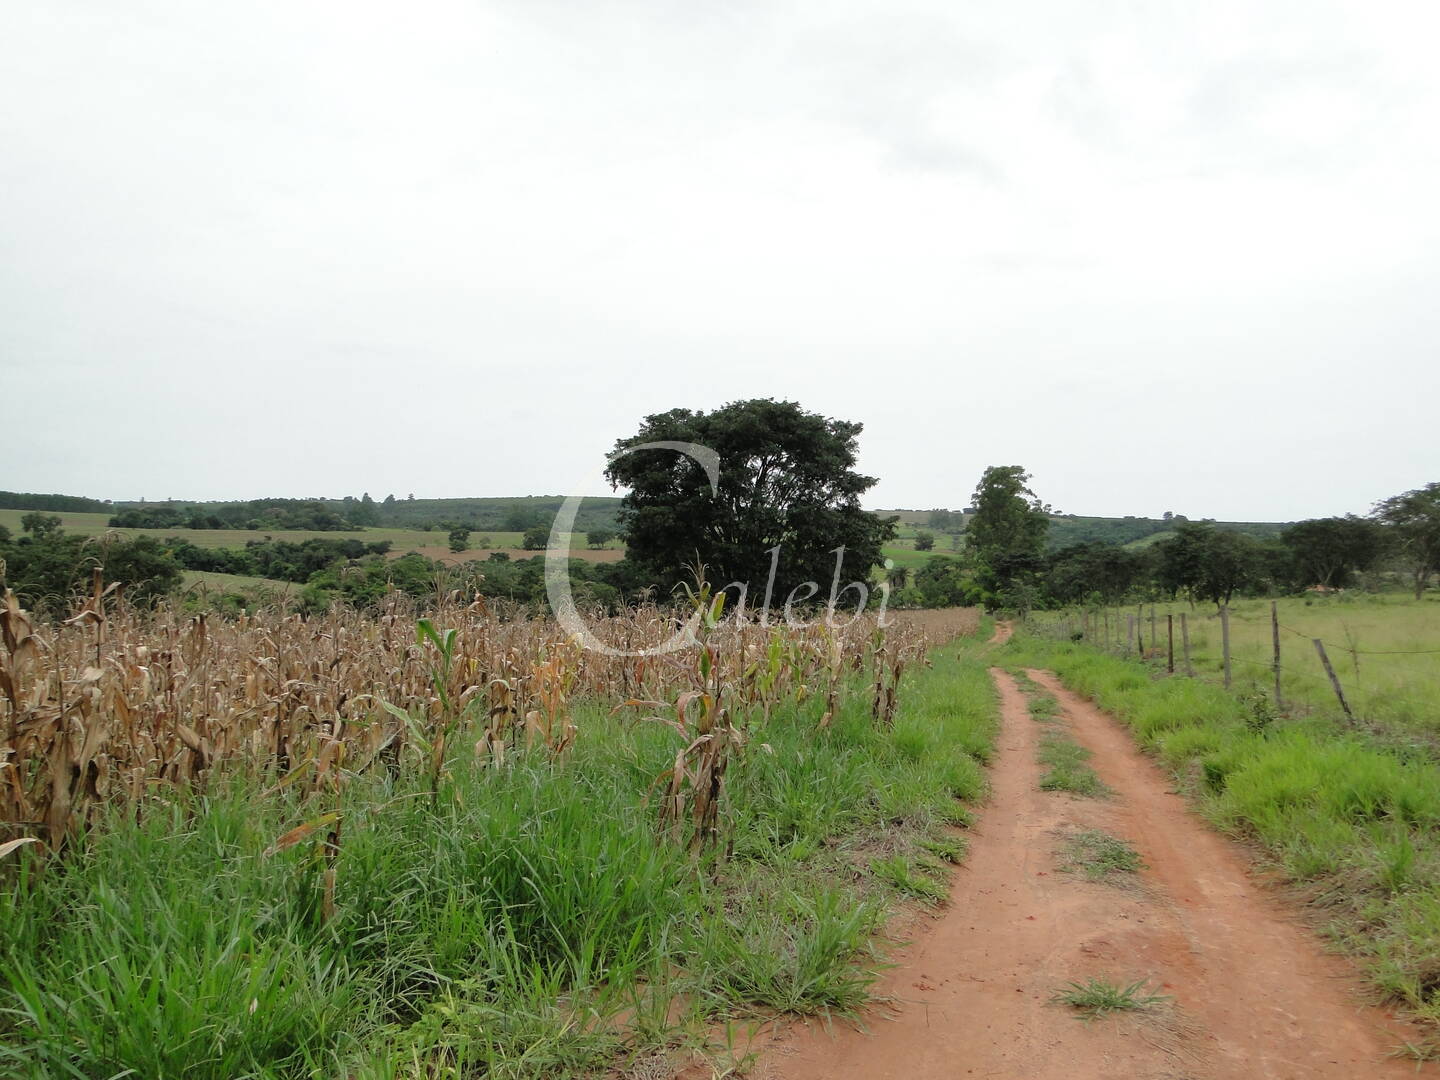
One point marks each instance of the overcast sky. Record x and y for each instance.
(1170, 257)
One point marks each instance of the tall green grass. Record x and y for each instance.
(1357, 824)
(530, 924)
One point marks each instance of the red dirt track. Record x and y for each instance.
(1254, 996)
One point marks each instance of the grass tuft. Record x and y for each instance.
(1043, 707)
(1067, 771)
(950, 848)
(910, 878)
(1097, 997)
(1099, 855)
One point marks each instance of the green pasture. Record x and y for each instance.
(1385, 650)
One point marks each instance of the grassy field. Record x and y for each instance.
(199, 581)
(902, 551)
(1353, 822)
(1385, 649)
(526, 922)
(907, 557)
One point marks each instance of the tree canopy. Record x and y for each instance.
(1214, 564)
(1006, 535)
(1414, 519)
(786, 479)
(1329, 551)
(47, 568)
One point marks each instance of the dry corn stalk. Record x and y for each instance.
(117, 704)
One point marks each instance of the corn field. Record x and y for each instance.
(116, 705)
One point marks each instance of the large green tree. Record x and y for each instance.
(1209, 563)
(1006, 534)
(1413, 520)
(1327, 551)
(1094, 570)
(786, 480)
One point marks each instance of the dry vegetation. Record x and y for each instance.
(114, 703)
(451, 842)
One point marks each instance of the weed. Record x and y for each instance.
(1418, 1052)
(950, 848)
(905, 876)
(1067, 770)
(1097, 997)
(1260, 712)
(1022, 679)
(1100, 856)
(957, 815)
(1043, 708)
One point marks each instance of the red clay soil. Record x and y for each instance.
(1254, 995)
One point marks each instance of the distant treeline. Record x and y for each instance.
(1201, 560)
(276, 514)
(281, 560)
(352, 513)
(482, 515)
(1067, 530)
(28, 500)
(360, 575)
(49, 570)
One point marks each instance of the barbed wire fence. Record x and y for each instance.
(1122, 632)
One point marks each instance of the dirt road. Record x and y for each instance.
(1253, 994)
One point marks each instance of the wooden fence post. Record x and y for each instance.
(1185, 644)
(1129, 634)
(1225, 640)
(1275, 639)
(1154, 641)
(1334, 681)
(1170, 639)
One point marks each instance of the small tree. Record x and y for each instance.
(459, 539)
(535, 538)
(943, 582)
(598, 538)
(40, 525)
(924, 541)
